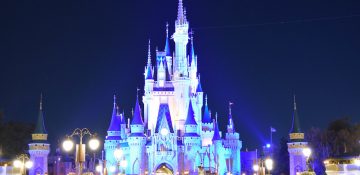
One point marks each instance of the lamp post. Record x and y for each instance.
(68, 144)
(307, 154)
(269, 165)
(23, 162)
(121, 162)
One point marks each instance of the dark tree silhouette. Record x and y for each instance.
(281, 156)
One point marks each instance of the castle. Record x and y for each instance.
(177, 134)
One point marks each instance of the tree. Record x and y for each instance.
(281, 155)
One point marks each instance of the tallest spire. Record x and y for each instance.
(181, 17)
(40, 125)
(295, 132)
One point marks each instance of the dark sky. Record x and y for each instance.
(253, 53)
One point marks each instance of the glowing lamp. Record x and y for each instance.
(29, 164)
(268, 145)
(94, 143)
(118, 153)
(17, 163)
(357, 162)
(164, 132)
(112, 169)
(269, 164)
(307, 152)
(68, 144)
(256, 167)
(98, 168)
(123, 163)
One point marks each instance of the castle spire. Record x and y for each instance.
(230, 122)
(181, 18)
(115, 122)
(216, 129)
(148, 71)
(167, 43)
(137, 118)
(190, 120)
(193, 60)
(40, 125)
(207, 116)
(295, 132)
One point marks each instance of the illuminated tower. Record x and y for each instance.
(296, 145)
(137, 141)
(39, 148)
(192, 142)
(181, 38)
(113, 138)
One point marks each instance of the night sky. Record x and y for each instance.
(256, 54)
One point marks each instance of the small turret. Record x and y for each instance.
(190, 123)
(39, 148)
(137, 124)
(114, 130)
(230, 126)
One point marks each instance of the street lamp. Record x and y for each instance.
(121, 162)
(256, 168)
(68, 145)
(269, 164)
(23, 162)
(307, 154)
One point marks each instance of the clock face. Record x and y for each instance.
(164, 132)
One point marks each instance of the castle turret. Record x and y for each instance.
(39, 148)
(113, 137)
(206, 117)
(149, 84)
(190, 123)
(181, 38)
(137, 141)
(230, 126)
(296, 145)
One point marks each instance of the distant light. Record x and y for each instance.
(307, 152)
(357, 162)
(256, 167)
(268, 145)
(99, 168)
(94, 143)
(29, 164)
(269, 164)
(68, 144)
(112, 169)
(17, 163)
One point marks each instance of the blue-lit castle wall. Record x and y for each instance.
(177, 132)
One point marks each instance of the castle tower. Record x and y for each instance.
(181, 39)
(149, 85)
(39, 148)
(113, 137)
(218, 149)
(296, 145)
(233, 144)
(137, 141)
(192, 142)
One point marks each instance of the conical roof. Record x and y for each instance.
(167, 42)
(190, 119)
(137, 118)
(40, 124)
(207, 117)
(115, 121)
(216, 131)
(295, 127)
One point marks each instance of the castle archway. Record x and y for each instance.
(164, 169)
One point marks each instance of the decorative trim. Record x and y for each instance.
(297, 136)
(39, 136)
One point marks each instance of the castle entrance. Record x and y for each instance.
(164, 169)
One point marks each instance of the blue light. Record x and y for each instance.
(268, 145)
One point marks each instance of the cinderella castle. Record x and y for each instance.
(175, 133)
